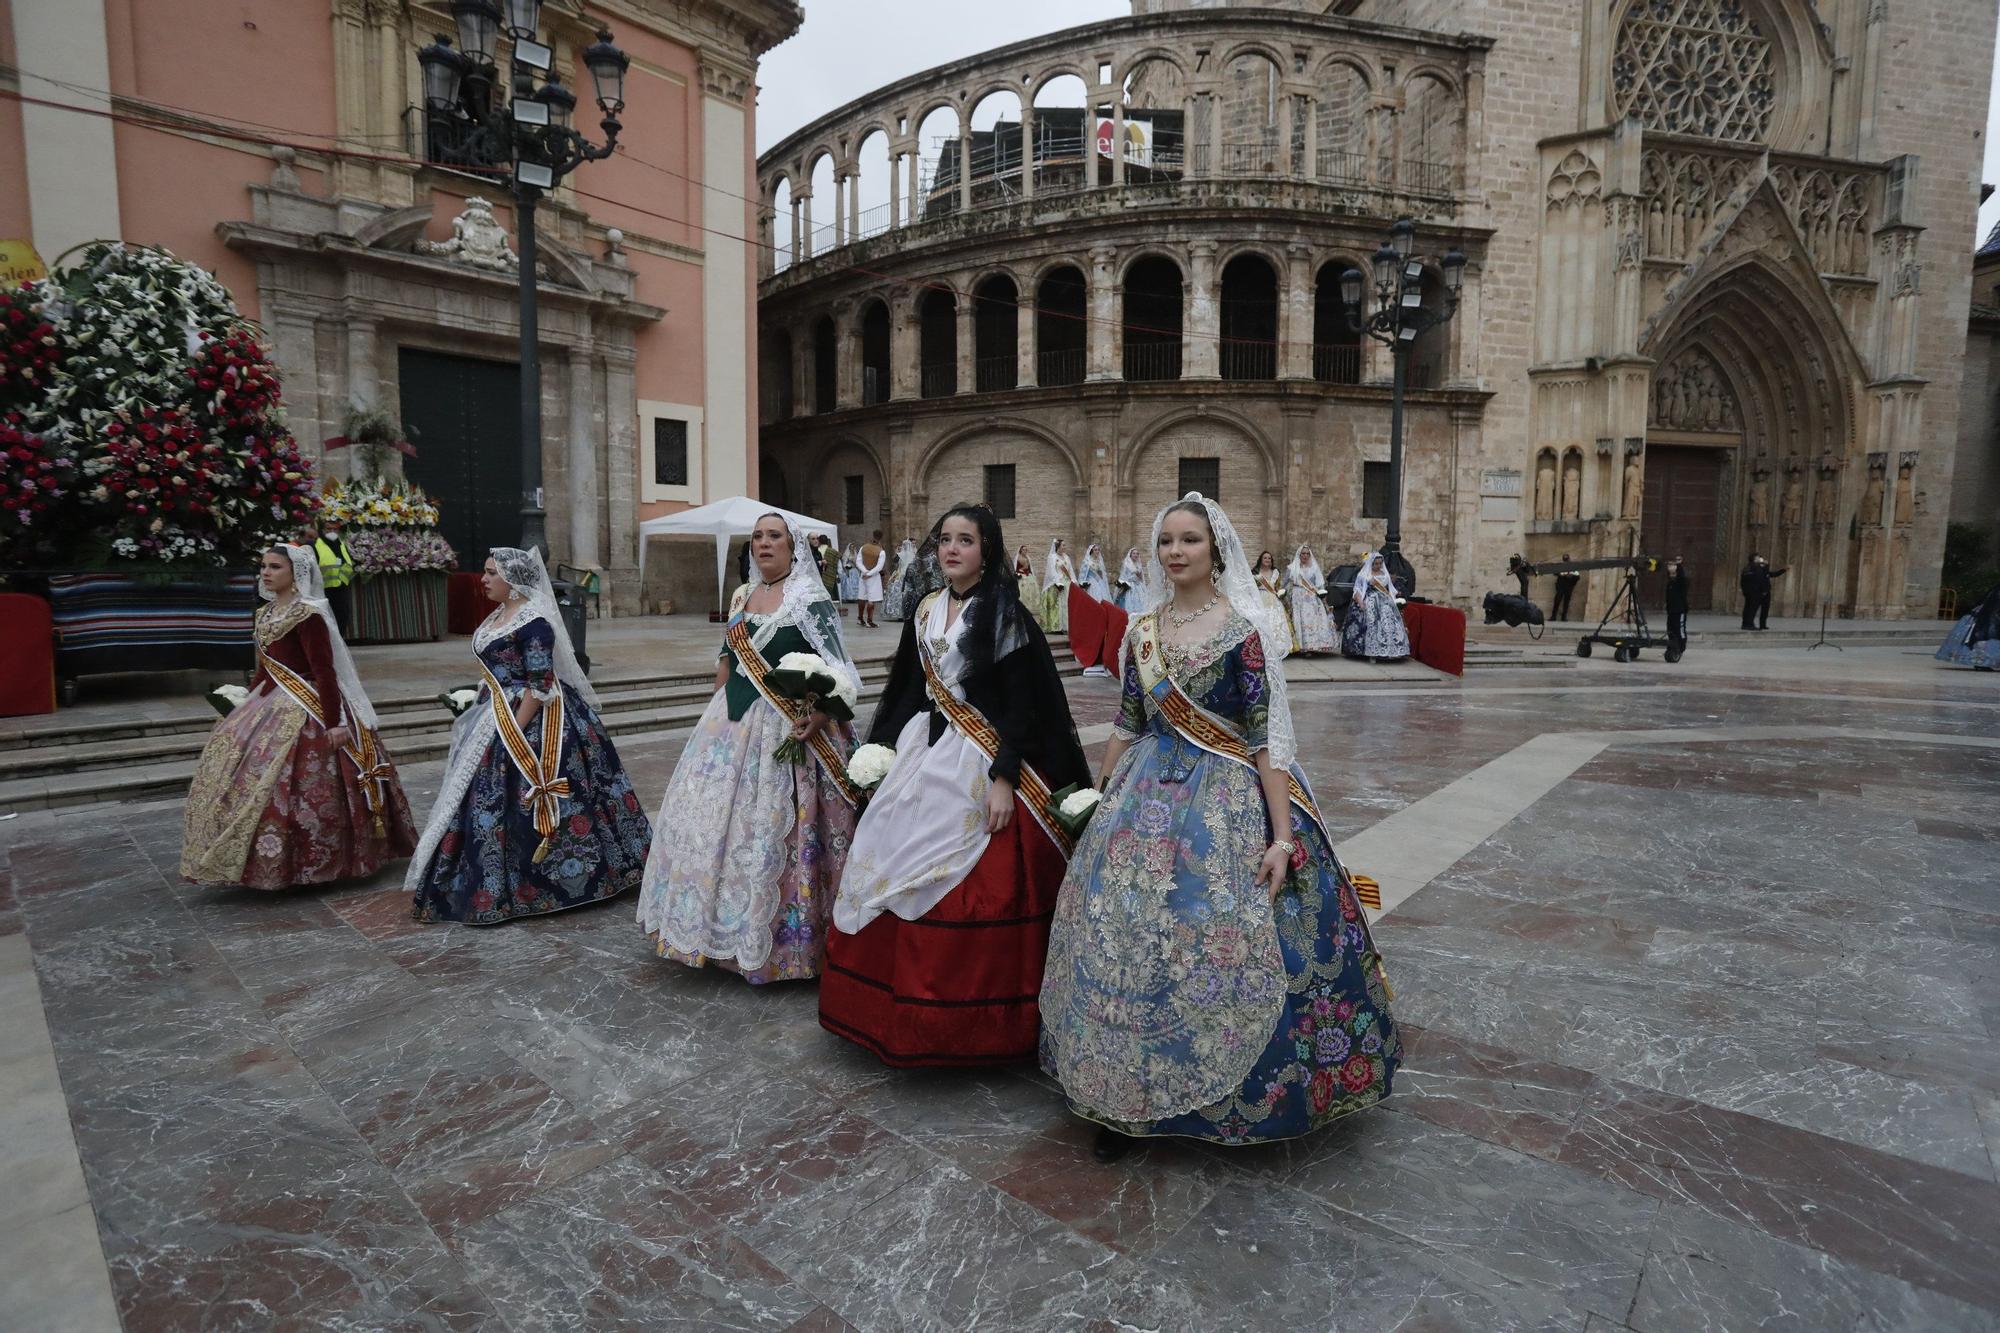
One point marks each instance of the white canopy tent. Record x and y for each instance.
(722, 520)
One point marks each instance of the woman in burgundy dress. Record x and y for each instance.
(295, 786)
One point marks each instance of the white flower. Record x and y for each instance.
(463, 698)
(870, 764)
(806, 664)
(236, 694)
(1079, 803)
(843, 690)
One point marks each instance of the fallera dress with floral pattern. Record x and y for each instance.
(483, 870)
(1178, 999)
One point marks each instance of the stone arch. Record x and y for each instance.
(1123, 69)
(927, 460)
(1144, 252)
(1254, 46)
(1144, 438)
(1435, 73)
(1149, 473)
(1048, 75)
(828, 490)
(1326, 64)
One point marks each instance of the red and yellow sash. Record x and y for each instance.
(371, 765)
(1032, 787)
(792, 710)
(1201, 728)
(546, 785)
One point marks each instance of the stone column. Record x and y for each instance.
(1027, 147)
(802, 367)
(965, 163)
(846, 363)
(802, 237)
(1104, 342)
(581, 463)
(1311, 172)
(1117, 137)
(895, 190)
(1295, 323)
(1100, 473)
(905, 350)
(363, 382)
(1025, 373)
(1201, 334)
(967, 344)
(621, 471)
(853, 202)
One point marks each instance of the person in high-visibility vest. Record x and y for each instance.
(336, 568)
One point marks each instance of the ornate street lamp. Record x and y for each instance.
(1400, 318)
(528, 134)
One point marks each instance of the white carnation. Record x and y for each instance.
(804, 664)
(870, 764)
(236, 694)
(843, 690)
(1078, 803)
(463, 698)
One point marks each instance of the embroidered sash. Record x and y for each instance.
(546, 785)
(1203, 729)
(792, 710)
(1032, 787)
(371, 765)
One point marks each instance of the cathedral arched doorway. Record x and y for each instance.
(1750, 441)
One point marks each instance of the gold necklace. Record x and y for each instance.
(1180, 621)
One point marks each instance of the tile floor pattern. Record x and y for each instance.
(1707, 1038)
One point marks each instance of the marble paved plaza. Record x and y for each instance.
(1699, 972)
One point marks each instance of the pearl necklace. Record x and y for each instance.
(1180, 621)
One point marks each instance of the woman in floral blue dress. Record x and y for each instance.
(535, 813)
(1210, 973)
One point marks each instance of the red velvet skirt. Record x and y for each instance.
(962, 985)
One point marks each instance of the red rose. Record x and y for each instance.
(1357, 1074)
(1319, 1092)
(579, 825)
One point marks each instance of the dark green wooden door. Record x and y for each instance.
(463, 415)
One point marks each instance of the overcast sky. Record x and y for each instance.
(848, 47)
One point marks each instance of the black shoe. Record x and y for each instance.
(1110, 1145)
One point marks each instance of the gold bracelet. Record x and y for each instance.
(1285, 845)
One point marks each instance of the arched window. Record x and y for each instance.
(826, 365)
(1336, 345)
(1701, 67)
(996, 334)
(1249, 319)
(1153, 319)
(875, 380)
(937, 316)
(1061, 328)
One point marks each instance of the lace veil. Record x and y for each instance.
(309, 588)
(1306, 569)
(810, 607)
(527, 575)
(1239, 586)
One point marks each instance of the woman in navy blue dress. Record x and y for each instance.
(536, 813)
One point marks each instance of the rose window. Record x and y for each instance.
(1694, 67)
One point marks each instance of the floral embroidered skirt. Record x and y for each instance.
(1312, 627)
(1375, 629)
(274, 805)
(484, 871)
(1179, 1000)
(1981, 656)
(747, 879)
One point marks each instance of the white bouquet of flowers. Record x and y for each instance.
(459, 700)
(1074, 807)
(226, 698)
(867, 766)
(808, 679)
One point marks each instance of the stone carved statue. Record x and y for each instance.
(1633, 493)
(477, 238)
(1906, 498)
(1826, 499)
(1871, 498)
(1572, 485)
(1760, 496)
(1791, 509)
(1545, 485)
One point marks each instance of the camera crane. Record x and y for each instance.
(1633, 633)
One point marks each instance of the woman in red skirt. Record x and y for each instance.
(941, 922)
(294, 785)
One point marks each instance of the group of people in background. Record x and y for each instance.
(1191, 959)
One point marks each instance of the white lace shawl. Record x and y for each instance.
(310, 589)
(803, 590)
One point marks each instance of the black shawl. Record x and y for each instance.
(1021, 694)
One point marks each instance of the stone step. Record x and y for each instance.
(161, 778)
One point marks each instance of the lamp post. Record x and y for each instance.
(1400, 318)
(467, 122)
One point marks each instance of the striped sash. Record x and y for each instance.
(371, 765)
(546, 785)
(1205, 730)
(1032, 787)
(792, 710)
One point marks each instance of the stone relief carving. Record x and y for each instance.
(1545, 485)
(477, 238)
(1906, 498)
(1833, 211)
(1684, 190)
(1826, 497)
(1694, 67)
(1575, 182)
(1632, 494)
(1760, 493)
(1690, 393)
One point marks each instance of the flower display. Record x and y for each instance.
(1074, 807)
(398, 550)
(142, 420)
(869, 765)
(378, 504)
